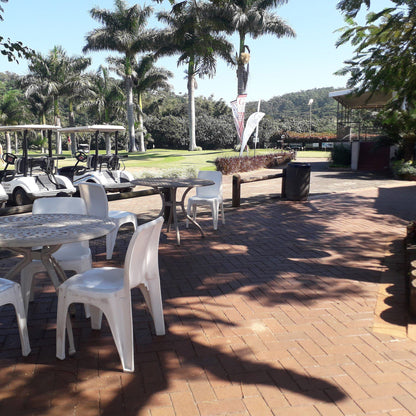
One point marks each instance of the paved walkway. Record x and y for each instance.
(288, 309)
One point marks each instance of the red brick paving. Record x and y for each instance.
(288, 309)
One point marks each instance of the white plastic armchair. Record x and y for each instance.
(72, 256)
(107, 290)
(97, 204)
(10, 292)
(208, 195)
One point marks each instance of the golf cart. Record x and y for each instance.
(33, 176)
(95, 167)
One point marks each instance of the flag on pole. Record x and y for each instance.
(238, 107)
(252, 122)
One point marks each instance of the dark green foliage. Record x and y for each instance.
(228, 165)
(168, 132)
(341, 155)
(292, 112)
(215, 132)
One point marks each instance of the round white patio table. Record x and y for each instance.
(39, 236)
(172, 185)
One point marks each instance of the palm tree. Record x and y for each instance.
(56, 75)
(105, 100)
(147, 77)
(123, 31)
(190, 34)
(254, 18)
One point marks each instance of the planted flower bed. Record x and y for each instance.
(229, 165)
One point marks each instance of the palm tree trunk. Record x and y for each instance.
(58, 137)
(8, 143)
(130, 114)
(71, 120)
(242, 73)
(107, 138)
(241, 79)
(191, 107)
(142, 147)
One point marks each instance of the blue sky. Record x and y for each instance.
(277, 66)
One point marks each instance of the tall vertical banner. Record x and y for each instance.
(238, 107)
(252, 123)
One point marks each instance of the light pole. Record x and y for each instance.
(310, 117)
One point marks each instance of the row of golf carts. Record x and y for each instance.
(39, 176)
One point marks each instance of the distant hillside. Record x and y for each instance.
(291, 111)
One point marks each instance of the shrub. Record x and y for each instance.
(228, 165)
(341, 155)
(188, 172)
(404, 170)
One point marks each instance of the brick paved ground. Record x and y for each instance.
(288, 309)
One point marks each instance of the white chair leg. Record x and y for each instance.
(96, 317)
(26, 282)
(110, 240)
(188, 212)
(120, 321)
(153, 300)
(222, 213)
(61, 317)
(21, 320)
(214, 208)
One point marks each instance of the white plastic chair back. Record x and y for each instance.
(97, 204)
(59, 205)
(212, 191)
(95, 199)
(141, 263)
(10, 292)
(62, 205)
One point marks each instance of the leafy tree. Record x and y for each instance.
(384, 61)
(250, 18)
(124, 31)
(191, 34)
(11, 112)
(146, 77)
(13, 50)
(352, 7)
(56, 75)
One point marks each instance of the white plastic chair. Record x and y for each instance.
(208, 195)
(107, 290)
(97, 204)
(72, 256)
(10, 292)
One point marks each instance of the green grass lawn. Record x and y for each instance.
(166, 159)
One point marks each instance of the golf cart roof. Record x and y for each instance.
(22, 127)
(105, 128)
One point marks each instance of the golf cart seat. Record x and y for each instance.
(42, 164)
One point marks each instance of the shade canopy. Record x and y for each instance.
(22, 127)
(366, 100)
(104, 128)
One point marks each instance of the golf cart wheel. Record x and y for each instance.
(20, 197)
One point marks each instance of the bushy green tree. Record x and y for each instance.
(384, 61)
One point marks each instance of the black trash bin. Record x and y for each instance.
(297, 181)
